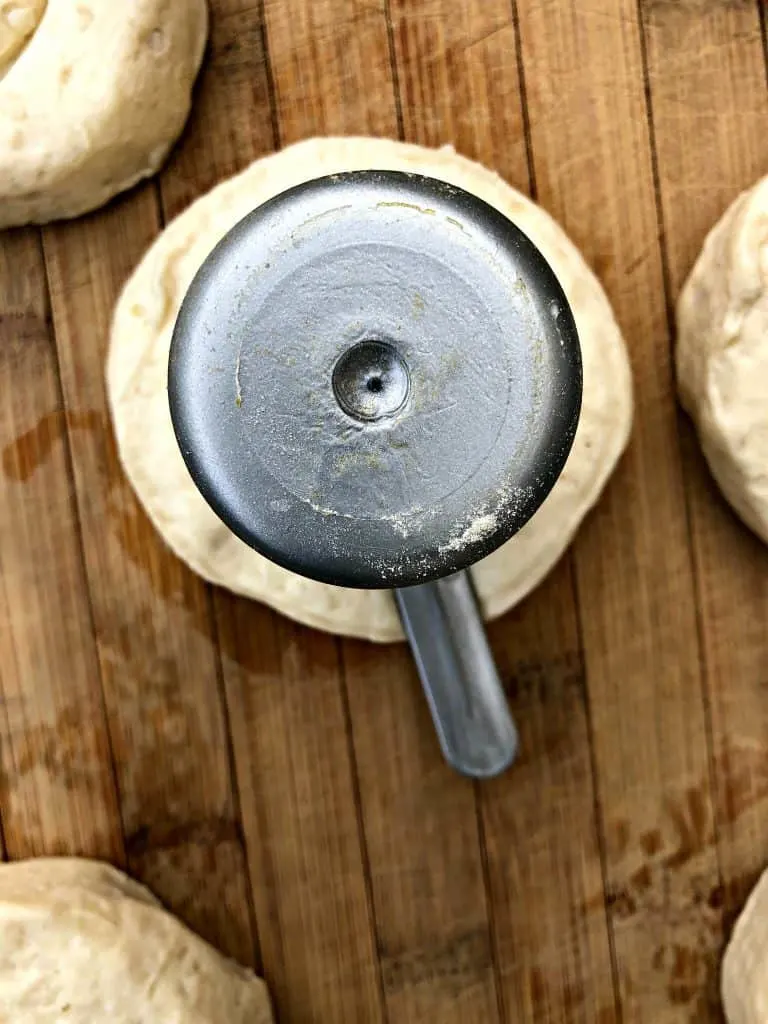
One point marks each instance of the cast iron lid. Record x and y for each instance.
(375, 379)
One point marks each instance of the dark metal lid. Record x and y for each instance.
(375, 379)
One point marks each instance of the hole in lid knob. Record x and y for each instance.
(371, 381)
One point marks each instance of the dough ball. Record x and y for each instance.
(137, 379)
(80, 942)
(722, 354)
(92, 97)
(744, 980)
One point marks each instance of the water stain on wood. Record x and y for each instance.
(168, 835)
(691, 818)
(154, 739)
(203, 877)
(617, 838)
(564, 999)
(463, 961)
(22, 328)
(742, 780)
(684, 972)
(23, 456)
(670, 888)
(57, 749)
(131, 526)
(688, 819)
(650, 842)
(537, 681)
(135, 533)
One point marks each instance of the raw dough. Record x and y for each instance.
(92, 97)
(722, 354)
(82, 943)
(744, 981)
(18, 21)
(138, 365)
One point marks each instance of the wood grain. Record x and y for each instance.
(545, 873)
(232, 121)
(56, 780)
(428, 899)
(283, 791)
(459, 80)
(421, 830)
(283, 684)
(709, 100)
(461, 85)
(330, 68)
(593, 168)
(299, 814)
(152, 618)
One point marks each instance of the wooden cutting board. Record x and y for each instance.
(283, 791)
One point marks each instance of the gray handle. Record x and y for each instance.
(445, 630)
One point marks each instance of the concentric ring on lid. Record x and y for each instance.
(375, 379)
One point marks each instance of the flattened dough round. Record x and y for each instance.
(80, 942)
(722, 354)
(137, 372)
(93, 95)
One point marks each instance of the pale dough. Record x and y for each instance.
(82, 943)
(744, 980)
(92, 97)
(138, 365)
(722, 354)
(18, 21)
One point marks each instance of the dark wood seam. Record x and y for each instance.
(762, 13)
(598, 809)
(360, 818)
(393, 67)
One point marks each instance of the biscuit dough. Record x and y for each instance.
(137, 387)
(18, 21)
(80, 942)
(744, 977)
(722, 354)
(92, 97)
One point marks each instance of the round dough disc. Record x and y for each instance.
(92, 97)
(81, 942)
(137, 386)
(722, 354)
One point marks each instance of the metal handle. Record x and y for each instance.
(445, 630)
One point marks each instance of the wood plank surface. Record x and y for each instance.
(428, 904)
(283, 791)
(707, 80)
(288, 711)
(461, 84)
(592, 157)
(57, 789)
(151, 616)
